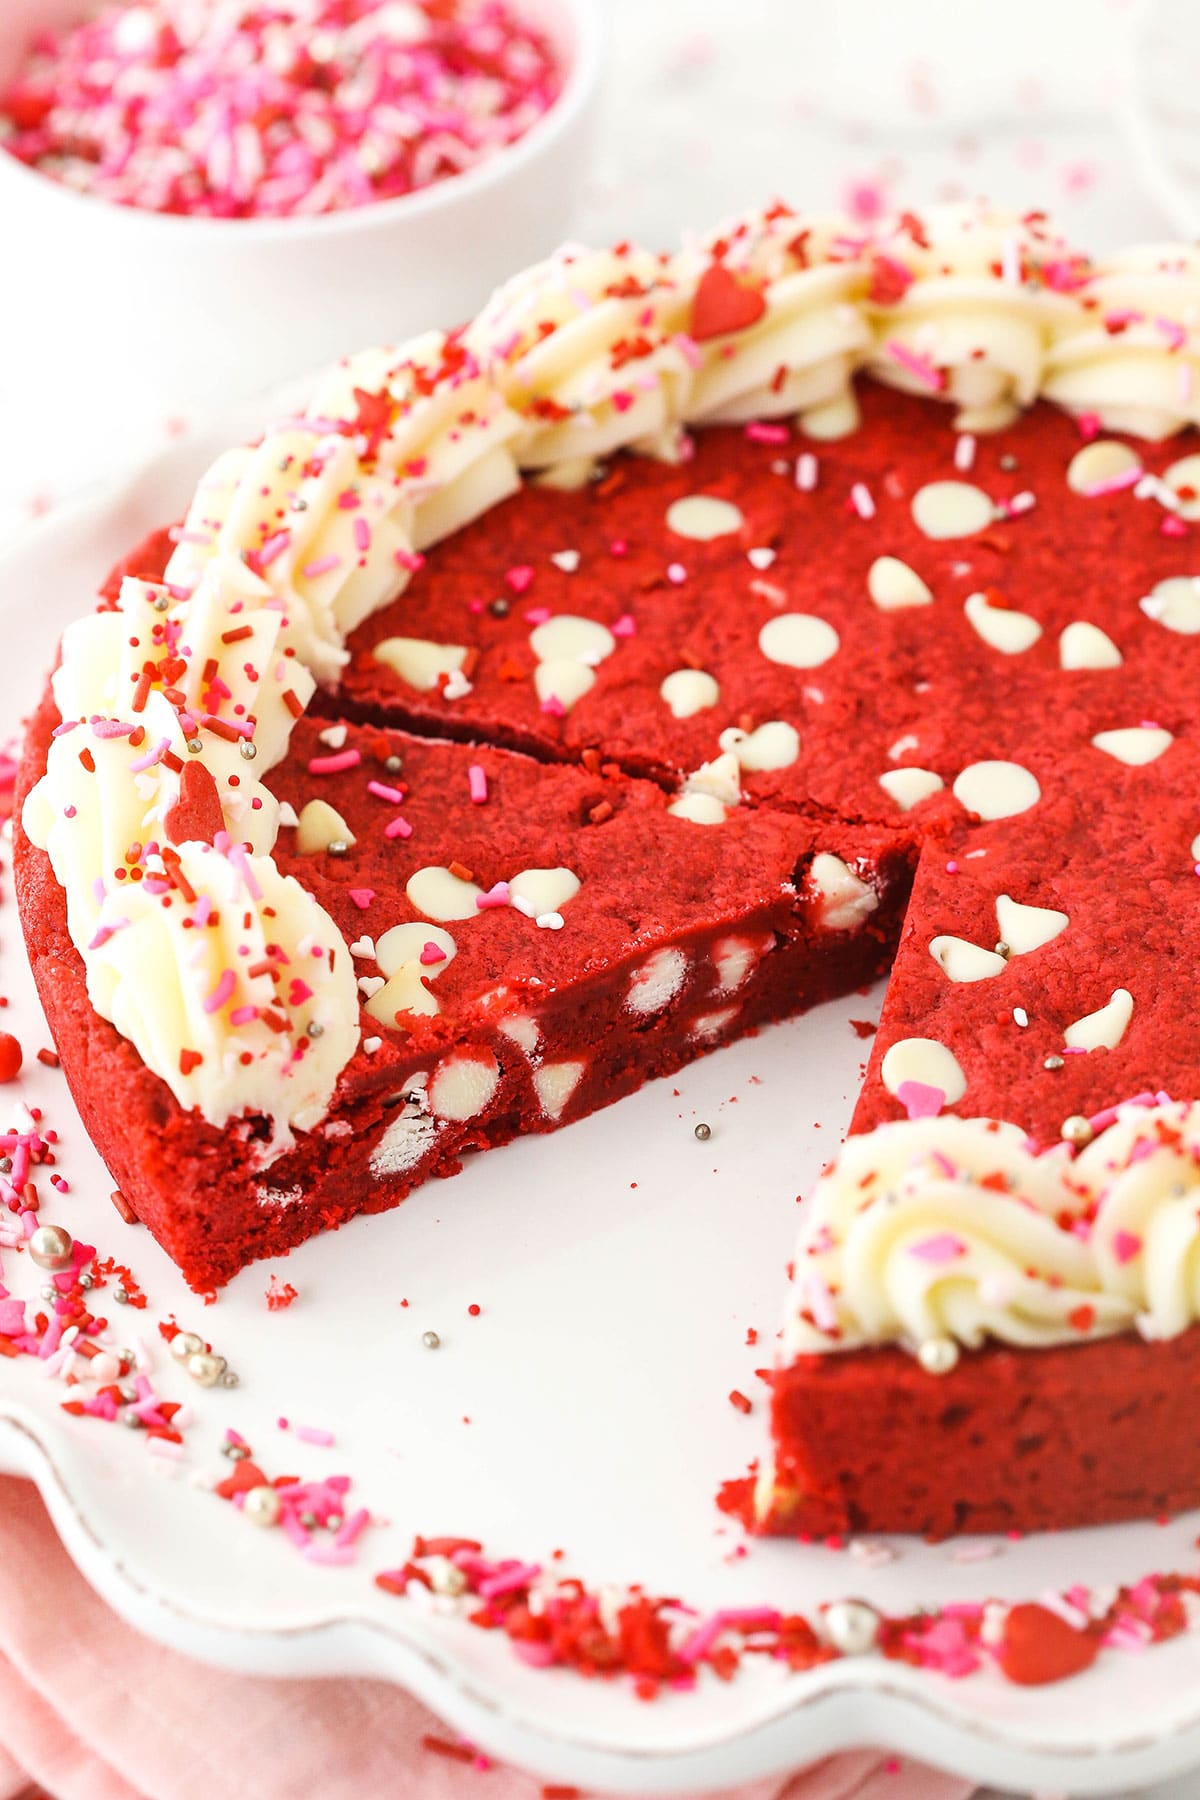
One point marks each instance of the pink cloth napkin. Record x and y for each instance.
(91, 1710)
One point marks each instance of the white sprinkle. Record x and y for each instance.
(363, 946)
(760, 559)
(1021, 1016)
(964, 453)
(456, 686)
(860, 499)
(973, 1553)
(676, 573)
(806, 472)
(522, 904)
(551, 921)
(334, 736)
(870, 1555)
(371, 1045)
(1020, 503)
(1010, 259)
(566, 560)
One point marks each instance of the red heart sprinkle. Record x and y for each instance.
(723, 304)
(196, 816)
(1038, 1646)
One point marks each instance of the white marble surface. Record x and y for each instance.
(710, 105)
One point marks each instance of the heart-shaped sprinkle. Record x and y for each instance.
(1038, 1646)
(723, 304)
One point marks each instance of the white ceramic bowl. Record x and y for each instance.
(141, 304)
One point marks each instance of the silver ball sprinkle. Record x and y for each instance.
(262, 1506)
(229, 1378)
(431, 1340)
(205, 1369)
(129, 1417)
(337, 846)
(162, 602)
(314, 1029)
(120, 1296)
(194, 746)
(394, 764)
(185, 1344)
(703, 1132)
(1077, 1130)
(1053, 1062)
(1008, 462)
(937, 1356)
(852, 1626)
(247, 751)
(334, 1522)
(87, 1282)
(235, 1452)
(1003, 949)
(50, 1247)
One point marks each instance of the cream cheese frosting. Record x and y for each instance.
(291, 542)
(952, 1231)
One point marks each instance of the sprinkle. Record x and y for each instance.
(432, 953)
(760, 431)
(381, 791)
(920, 1099)
(477, 784)
(806, 472)
(221, 993)
(397, 828)
(497, 895)
(921, 368)
(519, 577)
(1126, 1246)
(862, 501)
(334, 765)
(321, 565)
(676, 573)
(942, 1247)
(1021, 1016)
(362, 897)
(964, 453)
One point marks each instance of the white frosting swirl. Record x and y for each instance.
(800, 355)
(967, 302)
(1129, 351)
(953, 1228)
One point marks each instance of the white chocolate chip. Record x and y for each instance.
(398, 954)
(1005, 630)
(554, 1084)
(710, 1025)
(563, 680)
(1025, 928)
(926, 1061)
(722, 778)
(845, 901)
(908, 787)
(438, 894)
(1195, 849)
(419, 661)
(1181, 476)
(569, 638)
(703, 517)
(700, 809)
(798, 640)
(1085, 646)
(689, 691)
(775, 745)
(405, 1143)
(832, 420)
(462, 1086)
(523, 1031)
(657, 982)
(964, 961)
(545, 890)
(320, 825)
(1175, 603)
(1135, 745)
(892, 585)
(1102, 1030)
(733, 959)
(1098, 463)
(996, 790)
(288, 816)
(951, 509)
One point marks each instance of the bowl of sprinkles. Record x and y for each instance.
(341, 166)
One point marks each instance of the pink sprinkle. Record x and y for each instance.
(806, 472)
(759, 431)
(1089, 426)
(274, 547)
(381, 791)
(321, 565)
(519, 577)
(1174, 333)
(861, 500)
(920, 1099)
(537, 615)
(1173, 526)
(942, 1247)
(315, 1434)
(334, 765)
(676, 573)
(952, 867)
(477, 784)
(221, 993)
(921, 368)
(1114, 483)
(432, 953)
(1126, 1246)
(362, 535)
(397, 828)
(497, 895)
(554, 706)
(243, 1015)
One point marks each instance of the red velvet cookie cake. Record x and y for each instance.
(563, 696)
